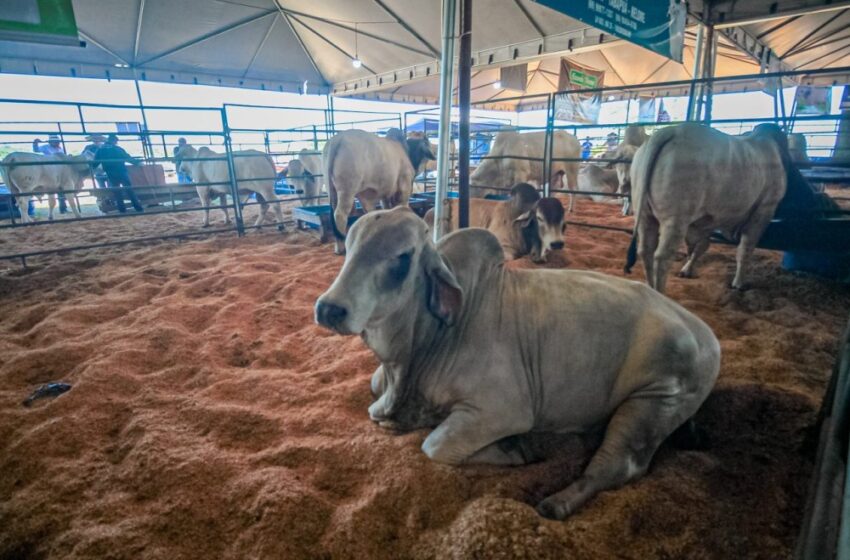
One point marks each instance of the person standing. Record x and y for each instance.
(52, 148)
(181, 177)
(90, 150)
(113, 159)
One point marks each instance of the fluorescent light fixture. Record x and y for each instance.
(497, 85)
(120, 65)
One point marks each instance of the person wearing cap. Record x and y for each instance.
(52, 148)
(90, 150)
(113, 159)
(181, 177)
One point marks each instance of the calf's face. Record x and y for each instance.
(544, 225)
(390, 266)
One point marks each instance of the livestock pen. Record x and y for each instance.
(210, 417)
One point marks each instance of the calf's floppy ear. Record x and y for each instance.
(445, 296)
(524, 220)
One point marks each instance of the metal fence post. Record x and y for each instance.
(547, 147)
(315, 139)
(231, 170)
(82, 120)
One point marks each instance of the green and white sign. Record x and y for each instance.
(658, 25)
(39, 21)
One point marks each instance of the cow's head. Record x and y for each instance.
(419, 150)
(624, 152)
(543, 228)
(299, 176)
(391, 267)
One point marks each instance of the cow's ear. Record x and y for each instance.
(445, 296)
(525, 219)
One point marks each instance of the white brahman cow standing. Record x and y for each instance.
(25, 172)
(255, 172)
(518, 158)
(359, 164)
(486, 354)
(690, 180)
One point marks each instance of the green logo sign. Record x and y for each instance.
(582, 80)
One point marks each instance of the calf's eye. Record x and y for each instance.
(398, 270)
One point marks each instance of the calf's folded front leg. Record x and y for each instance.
(473, 437)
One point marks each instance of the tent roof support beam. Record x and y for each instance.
(530, 19)
(803, 42)
(139, 20)
(260, 46)
(408, 28)
(102, 47)
(301, 42)
(328, 41)
(208, 36)
(358, 31)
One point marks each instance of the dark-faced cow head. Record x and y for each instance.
(541, 221)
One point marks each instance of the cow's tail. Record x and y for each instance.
(328, 160)
(641, 180)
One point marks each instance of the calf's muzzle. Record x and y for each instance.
(330, 315)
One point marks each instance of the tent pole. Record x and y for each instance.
(144, 136)
(445, 130)
(464, 78)
(708, 69)
(692, 98)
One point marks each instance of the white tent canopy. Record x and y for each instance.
(280, 44)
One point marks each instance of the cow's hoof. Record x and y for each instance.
(281, 228)
(553, 508)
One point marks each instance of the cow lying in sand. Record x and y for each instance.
(690, 180)
(255, 172)
(358, 164)
(51, 176)
(525, 224)
(484, 353)
(304, 173)
(504, 171)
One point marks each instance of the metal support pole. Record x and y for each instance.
(464, 78)
(708, 69)
(547, 146)
(231, 169)
(695, 86)
(331, 117)
(315, 139)
(82, 120)
(62, 137)
(446, 74)
(145, 140)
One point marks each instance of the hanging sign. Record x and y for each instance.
(653, 24)
(578, 107)
(812, 100)
(39, 21)
(646, 109)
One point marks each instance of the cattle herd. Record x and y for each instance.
(483, 353)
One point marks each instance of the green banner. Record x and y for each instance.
(658, 25)
(41, 21)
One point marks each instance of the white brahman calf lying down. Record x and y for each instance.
(51, 176)
(255, 172)
(690, 180)
(525, 224)
(484, 353)
(372, 169)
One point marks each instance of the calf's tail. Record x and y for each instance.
(641, 179)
